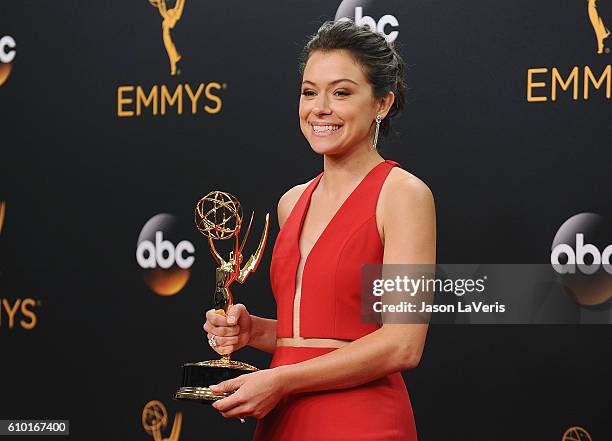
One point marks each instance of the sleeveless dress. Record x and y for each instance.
(330, 307)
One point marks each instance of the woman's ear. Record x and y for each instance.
(385, 104)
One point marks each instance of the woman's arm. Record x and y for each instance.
(390, 349)
(408, 214)
(263, 334)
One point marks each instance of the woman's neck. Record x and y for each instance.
(342, 173)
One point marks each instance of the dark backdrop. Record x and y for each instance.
(80, 182)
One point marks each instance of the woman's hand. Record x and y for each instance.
(231, 332)
(256, 394)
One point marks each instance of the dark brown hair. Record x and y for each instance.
(383, 66)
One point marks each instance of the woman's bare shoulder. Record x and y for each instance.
(288, 200)
(403, 192)
(402, 184)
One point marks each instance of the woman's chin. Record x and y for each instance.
(325, 147)
(324, 150)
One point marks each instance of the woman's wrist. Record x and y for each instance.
(286, 377)
(255, 330)
(263, 334)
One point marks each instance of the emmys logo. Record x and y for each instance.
(599, 27)
(20, 311)
(160, 100)
(576, 433)
(169, 19)
(155, 419)
(580, 81)
(7, 55)
(166, 267)
(387, 25)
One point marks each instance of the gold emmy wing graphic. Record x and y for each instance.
(218, 216)
(170, 18)
(2, 207)
(601, 31)
(155, 418)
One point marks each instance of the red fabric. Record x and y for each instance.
(330, 308)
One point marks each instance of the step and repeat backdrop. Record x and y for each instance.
(116, 117)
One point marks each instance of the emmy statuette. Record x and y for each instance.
(218, 216)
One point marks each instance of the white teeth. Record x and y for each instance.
(325, 128)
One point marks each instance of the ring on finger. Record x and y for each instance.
(212, 341)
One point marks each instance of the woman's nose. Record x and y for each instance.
(321, 105)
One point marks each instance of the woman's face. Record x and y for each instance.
(337, 106)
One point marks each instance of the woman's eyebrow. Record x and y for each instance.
(333, 82)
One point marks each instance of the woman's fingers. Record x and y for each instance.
(216, 319)
(226, 335)
(224, 341)
(235, 312)
(237, 412)
(225, 345)
(223, 331)
(217, 324)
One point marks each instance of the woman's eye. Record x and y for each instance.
(337, 93)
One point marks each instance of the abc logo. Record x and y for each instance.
(387, 25)
(7, 49)
(163, 255)
(7, 55)
(571, 246)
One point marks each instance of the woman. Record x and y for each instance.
(332, 376)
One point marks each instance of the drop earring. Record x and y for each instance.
(378, 120)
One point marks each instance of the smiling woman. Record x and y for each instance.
(349, 72)
(334, 377)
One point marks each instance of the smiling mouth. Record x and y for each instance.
(325, 129)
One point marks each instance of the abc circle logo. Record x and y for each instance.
(571, 245)
(7, 55)
(7, 49)
(163, 254)
(387, 25)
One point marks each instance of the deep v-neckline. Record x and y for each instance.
(331, 221)
(310, 189)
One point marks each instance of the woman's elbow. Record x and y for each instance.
(406, 349)
(411, 359)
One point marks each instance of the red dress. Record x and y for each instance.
(330, 307)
